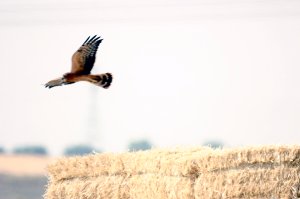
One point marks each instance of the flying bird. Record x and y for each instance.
(82, 63)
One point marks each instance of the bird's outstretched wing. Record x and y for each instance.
(84, 58)
(56, 82)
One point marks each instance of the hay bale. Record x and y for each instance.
(134, 187)
(273, 182)
(92, 188)
(152, 161)
(150, 186)
(261, 172)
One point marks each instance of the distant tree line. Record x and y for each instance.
(80, 150)
(139, 145)
(30, 150)
(136, 145)
(215, 144)
(33, 150)
(2, 150)
(76, 150)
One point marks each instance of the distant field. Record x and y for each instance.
(23, 177)
(24, 164)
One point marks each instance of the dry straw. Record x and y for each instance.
(253, 172)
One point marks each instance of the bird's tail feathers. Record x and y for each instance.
(104, 80)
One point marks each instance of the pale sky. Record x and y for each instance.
(185, 72)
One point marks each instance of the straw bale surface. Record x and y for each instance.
(248, 183)
(88, 188)
(133, 187)
(252, 172)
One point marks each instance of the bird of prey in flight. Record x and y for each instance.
(82, 63)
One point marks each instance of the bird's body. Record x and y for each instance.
(82, 63)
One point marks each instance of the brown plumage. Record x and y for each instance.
(82, 63)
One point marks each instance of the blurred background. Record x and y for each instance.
(186, 73)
